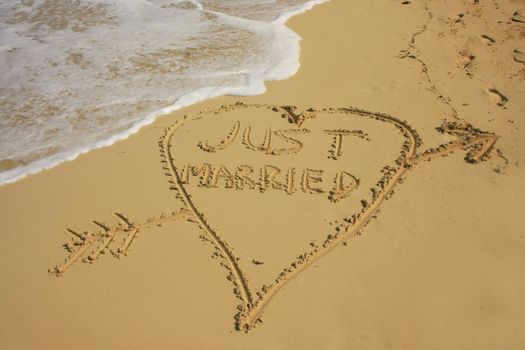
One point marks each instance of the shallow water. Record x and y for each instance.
(82, 74)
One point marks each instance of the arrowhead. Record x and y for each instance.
(476, 142)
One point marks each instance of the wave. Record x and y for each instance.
(83, 74)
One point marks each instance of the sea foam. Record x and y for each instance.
(82, 74)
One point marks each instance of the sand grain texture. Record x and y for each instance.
(372, 201)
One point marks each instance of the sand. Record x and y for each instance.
(372, 201)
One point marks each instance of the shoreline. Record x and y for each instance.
(283, 69)
(440, 255)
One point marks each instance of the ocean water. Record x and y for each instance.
(82, 74)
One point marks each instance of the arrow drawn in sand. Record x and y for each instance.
(89, 246)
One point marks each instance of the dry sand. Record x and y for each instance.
(372, 201)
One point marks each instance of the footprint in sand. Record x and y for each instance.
(496, 96)
(465, 61)
(455, 18)
(519, 16)
(519, 55)
(487, 40)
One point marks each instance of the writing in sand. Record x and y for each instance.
(338, 184)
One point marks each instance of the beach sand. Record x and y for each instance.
(372, 201)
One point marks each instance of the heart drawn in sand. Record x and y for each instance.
(261, 179)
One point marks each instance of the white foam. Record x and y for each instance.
(72, 82)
